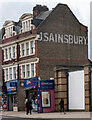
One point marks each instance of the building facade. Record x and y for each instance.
(32, 47)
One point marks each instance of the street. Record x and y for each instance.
(17, 118)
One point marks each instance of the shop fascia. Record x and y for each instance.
(63, 38)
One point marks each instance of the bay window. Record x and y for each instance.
(10, 73)
(28, 70)
(27, 48)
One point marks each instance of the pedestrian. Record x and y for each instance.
(29, 106)
(62, 105)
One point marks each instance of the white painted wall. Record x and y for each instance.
(76, 90)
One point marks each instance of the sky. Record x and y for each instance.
(14, 9)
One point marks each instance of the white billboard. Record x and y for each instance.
(76, 90)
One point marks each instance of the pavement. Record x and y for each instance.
(46, 115)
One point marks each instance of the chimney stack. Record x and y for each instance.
(39, 9)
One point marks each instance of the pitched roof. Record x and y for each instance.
(43, 15)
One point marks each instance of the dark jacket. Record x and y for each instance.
(29, 105)
(61, 103)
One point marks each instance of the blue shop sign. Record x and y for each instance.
(46, 84)
(29, 83)
(12, 86)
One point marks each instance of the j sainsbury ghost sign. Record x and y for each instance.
(63, 38)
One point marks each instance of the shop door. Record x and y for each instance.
(15, 103)
(76, 90)
(33, 97)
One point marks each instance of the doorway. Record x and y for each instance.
(32, 95)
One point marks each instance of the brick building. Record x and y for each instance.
(32, 47)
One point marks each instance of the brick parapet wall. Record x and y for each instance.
(60, 88)
(87, 89)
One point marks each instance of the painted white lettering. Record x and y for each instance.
(40, 36)
(51, 37)
(80, 40)
(60, 38)
(85, 40)
(75, 39)
(45, 36)
(70, 39)
(65, 38)
(56, 38)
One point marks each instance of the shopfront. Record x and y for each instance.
(12, 87)
(41, 93)
(46, 101)
(30, 87)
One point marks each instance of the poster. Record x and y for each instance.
(45, 98)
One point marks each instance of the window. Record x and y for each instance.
(14, 52)
(27, 48)
(14, 72)
(32, 70)
(10, 53)
(7, 74)
(32, 47)
(10, 73)
(28, 70)
(23, 71)
(24, 26)
(29, 24)
(9, 31)
(23, 52)
(6, 54)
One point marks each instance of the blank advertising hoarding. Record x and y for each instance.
(76, 90)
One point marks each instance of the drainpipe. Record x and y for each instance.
(67, 74)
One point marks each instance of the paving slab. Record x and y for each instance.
(48, 115)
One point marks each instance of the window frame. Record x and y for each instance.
(13, 52)
(32, 46)
(14, 73)
(10, 73)
(6, 74)
(23, 49)
(27, 51)
(6, 54)
(10, 52)
(27, 48)
(23, 71)
(28, 71)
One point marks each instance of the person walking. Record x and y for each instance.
(29, 106)
(62, 105)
